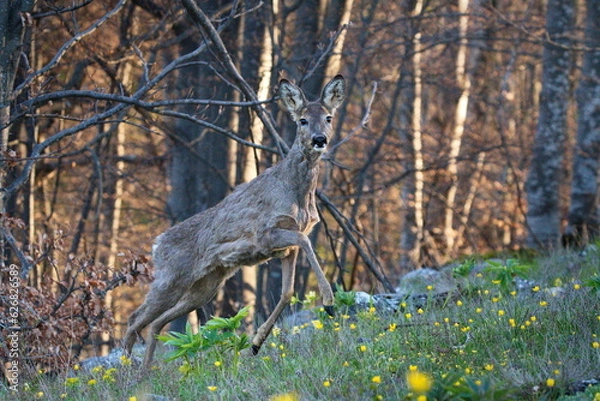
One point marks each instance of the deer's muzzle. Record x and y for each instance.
(319, 142)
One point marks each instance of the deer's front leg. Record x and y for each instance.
(288, 268)
(283, 238)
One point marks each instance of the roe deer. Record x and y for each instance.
(268, 217)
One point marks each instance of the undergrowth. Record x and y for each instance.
(493, 342)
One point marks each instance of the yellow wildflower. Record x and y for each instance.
(212, 388)
(550, 382)
(71, 381)
(293, 396)
(376, 379)
(97, 369)
(317, 324)
(418, 382)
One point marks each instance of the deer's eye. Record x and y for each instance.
(303, 121)
(328, 119)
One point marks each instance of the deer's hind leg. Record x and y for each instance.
(159, 299)
(194, 298)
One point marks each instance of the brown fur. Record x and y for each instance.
(269, 217)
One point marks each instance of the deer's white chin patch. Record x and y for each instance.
(320, 148)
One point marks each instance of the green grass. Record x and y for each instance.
(491, 344)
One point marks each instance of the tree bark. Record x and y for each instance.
(463, 81)
(543, 214)
(12, 23)
(584, 219)
(411, 237)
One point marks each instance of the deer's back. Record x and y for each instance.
(228, 235)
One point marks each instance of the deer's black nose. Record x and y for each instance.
(319, 141)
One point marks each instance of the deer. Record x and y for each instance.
(268, 217)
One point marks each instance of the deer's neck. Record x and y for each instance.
(303, 170)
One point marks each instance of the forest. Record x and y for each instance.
(469, 127)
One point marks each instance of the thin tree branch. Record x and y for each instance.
(96, 119)
(371, 264)
(198, 16)
(65, 47)
(25, 264)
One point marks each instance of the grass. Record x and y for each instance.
(493, 343)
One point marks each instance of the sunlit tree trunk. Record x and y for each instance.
(543, 214)
(116, 192)
(584, 219)
(334, 62)
(463, 82)
(411, 238)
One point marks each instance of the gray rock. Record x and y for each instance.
(113, 360)
(426, 280)
(299, 318)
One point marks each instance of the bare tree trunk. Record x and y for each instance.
(584, 219)
(11, 36)
(333, 63)
(463, 81)
(543, 214)
(411, 238)
(110, 302)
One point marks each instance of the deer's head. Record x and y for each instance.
(313, 119)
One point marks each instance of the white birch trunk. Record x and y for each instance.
(412, 236)
(334, 62)
(460, 117)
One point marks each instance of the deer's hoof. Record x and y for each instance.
(329, 309)
(255, 349)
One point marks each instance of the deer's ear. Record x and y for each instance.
(291, 96)
(334, 92)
